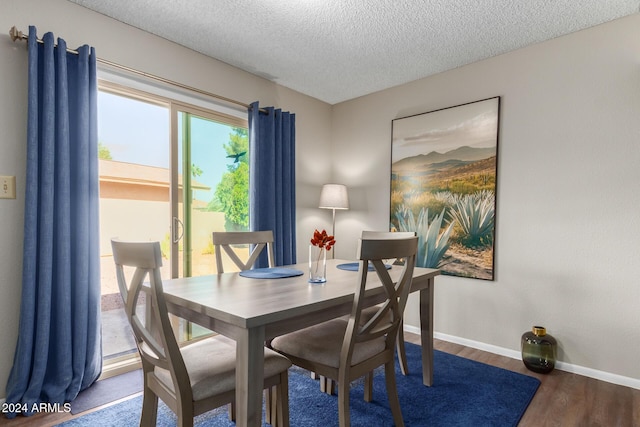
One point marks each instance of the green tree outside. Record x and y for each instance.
(103, 152)
(232, 193)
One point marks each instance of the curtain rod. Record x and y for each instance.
(15, 34)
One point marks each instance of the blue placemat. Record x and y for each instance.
(354, 266)
(271, 273)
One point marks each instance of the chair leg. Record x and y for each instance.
(343, 403)
(368, 387)
(185, 420)
(392, 393)
(272, 402)
(232, 411)
(149, 409)
(185, 414)
(282, 401)
(327, 385)
(402, 353)
(270, 396)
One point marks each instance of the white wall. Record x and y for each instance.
(125, 45)
(568, 222)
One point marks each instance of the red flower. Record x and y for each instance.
(322, 240)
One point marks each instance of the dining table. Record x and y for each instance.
(253, 310)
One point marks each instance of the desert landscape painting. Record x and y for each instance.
(443, 186)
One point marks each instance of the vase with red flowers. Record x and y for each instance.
(321, 243)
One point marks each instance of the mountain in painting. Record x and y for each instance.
(435, 161)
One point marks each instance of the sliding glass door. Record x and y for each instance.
(135, 181)
(213, 170)
(170, 172)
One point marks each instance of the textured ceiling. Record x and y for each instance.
(336, 50)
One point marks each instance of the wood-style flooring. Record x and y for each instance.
(563, 399)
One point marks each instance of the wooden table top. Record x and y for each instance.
(250, 302)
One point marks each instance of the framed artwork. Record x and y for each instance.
(443, 186)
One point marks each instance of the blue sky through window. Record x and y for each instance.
(138, 132)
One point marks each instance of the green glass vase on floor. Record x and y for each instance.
(538, 350)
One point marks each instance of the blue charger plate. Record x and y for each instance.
(271, 273)
(354, 266)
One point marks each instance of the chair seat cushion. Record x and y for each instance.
(322, 344)
(211, 364)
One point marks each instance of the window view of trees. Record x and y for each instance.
(103, 152)
(232, 193)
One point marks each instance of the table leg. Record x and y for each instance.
(426, 332)
(249, 377)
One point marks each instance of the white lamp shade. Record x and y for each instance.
(334, 196)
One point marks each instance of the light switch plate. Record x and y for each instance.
(7, 187)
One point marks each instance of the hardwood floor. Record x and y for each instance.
(563, 399)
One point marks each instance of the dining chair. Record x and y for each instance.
(345, 349)
(192, 379)
(326, 384)
(369, 312)
(261, 240)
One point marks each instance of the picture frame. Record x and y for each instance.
(444, 170)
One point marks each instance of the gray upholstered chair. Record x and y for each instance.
(192, 379)
(346, 349)
(222, 240)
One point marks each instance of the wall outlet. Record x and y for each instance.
(7, 187)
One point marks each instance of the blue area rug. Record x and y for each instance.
(464, 393)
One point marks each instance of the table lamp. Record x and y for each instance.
(334, 196)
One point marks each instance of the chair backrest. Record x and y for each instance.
(222, 240)
(387, 235)
(374, 249)
(154, 335)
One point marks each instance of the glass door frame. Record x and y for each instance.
(128, 362)
(180, 230)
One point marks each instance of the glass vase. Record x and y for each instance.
(317, 264)
(538, 350)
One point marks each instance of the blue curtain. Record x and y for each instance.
(59, 352)
(272, 177)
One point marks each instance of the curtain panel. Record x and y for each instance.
(272, 178)
(59, 352)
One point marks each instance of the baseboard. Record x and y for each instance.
(513, 354)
